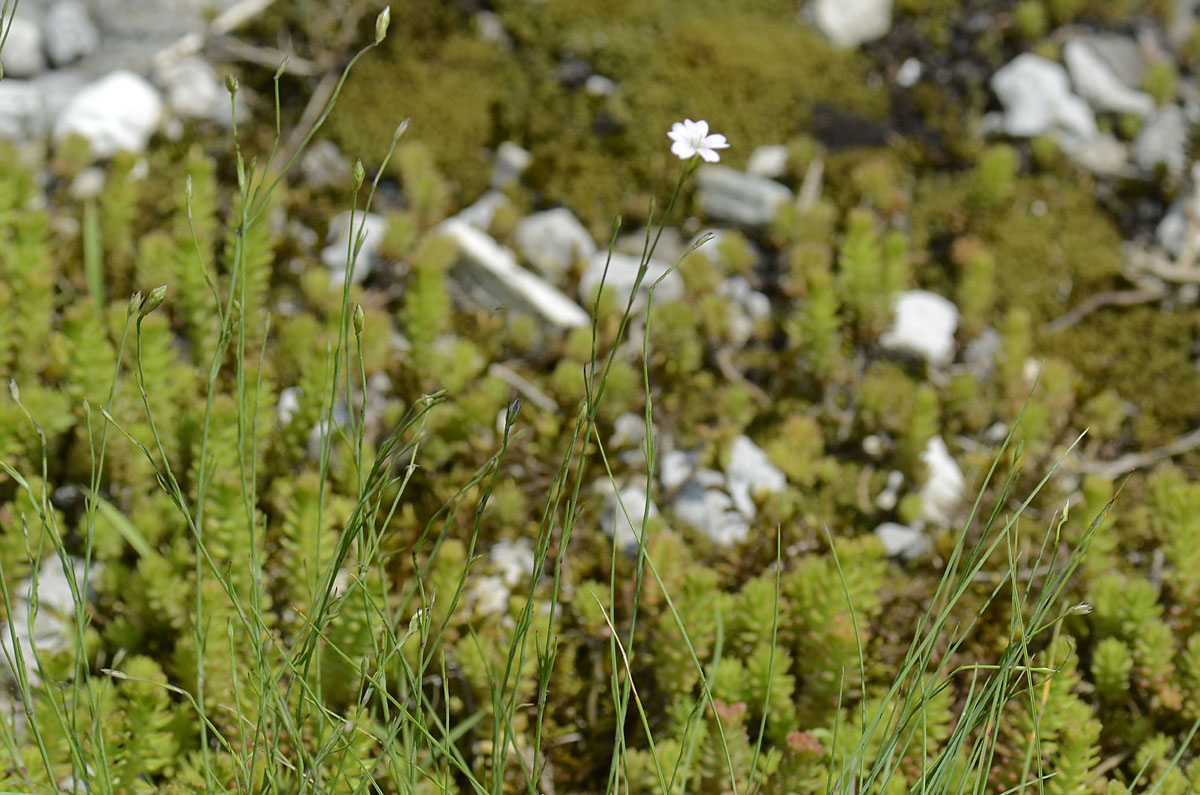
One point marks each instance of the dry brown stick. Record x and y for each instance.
(1101, 300)
(1125, 464)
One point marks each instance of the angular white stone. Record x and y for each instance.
(22, 112)
(488, 595)
(513, 559)
(492, 271)
(68, 31)
(335, 255)
(480, 214)
(194, 91)
(511, 162)
(53, 626)
(749, 472)
(621, 276)
(552, 241)
(22, 55)
(712, 512)
(116, 113)
(1163, 139)
(624, 526)
(1099, 85)
(902, 541)
(923, 324)
(849, 23)
(943, 492)
(727, 194)
(768, 161)
(1036, 96)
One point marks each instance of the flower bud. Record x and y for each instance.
(282, 67)
(153, 300)
(14, 390)
(359, 175)
(135, 303)
(381, 23)
(359, 319)
(400, 128)
(231, 83)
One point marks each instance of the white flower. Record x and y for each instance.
(692, 138)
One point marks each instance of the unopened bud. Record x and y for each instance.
(400, 128)
(359, 319)
(1081, 609)
(282, 67)
(153, 300)
(359, 174)
(381, 23)
(135, 303)
(14, 390)
(231, 83)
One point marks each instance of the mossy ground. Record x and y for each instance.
(919, 201)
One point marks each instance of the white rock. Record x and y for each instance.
(22, 113)
(625, 525)
(1163, 139)
(629, 429)
(335, 255)
(886, 500)
(727, 194)
(849, 23)
(769, 162)
(600, 86)
(53, 626)
(489, 273)
(909, 73)
(88, 184)
(676, 467)
(923, 324)
(194, 91)
(511, 162)
(288, 405)
(945, 487)
(323, 165)
(513, 559)
(59, 88)
(1171, 230)
(1037, 98)
(1099, 85)
(902, 541)
(711, 511)
(553, 241)
(68, 31)
(1100, 154)
(22, 55)
(747, 307)
(1121, 55)
(750, 472)
(488, 595)
(622, 273)
(117, 113)
(481, 213)
(490, 28)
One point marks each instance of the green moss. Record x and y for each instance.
(412, 77)
(1136, 352)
